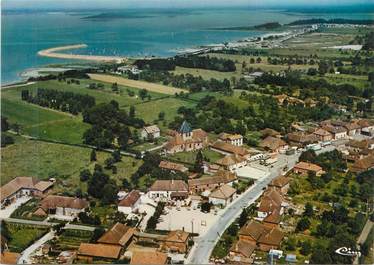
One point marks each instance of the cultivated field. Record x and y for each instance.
(137, 84)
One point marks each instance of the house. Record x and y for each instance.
(269, 132)
(301, 138)
(241, 251)
(273, 144)
(7, 257)
(338, 132)
(264, 237)
(271, 200)
(366, 126)
(281, 184)
(222, 195)
(363, 164)
(119, 235)
(62, 207)
(90, 252)
(168, 189)
(353, 128)
(323, 135)
(174, 167)
(23, 186)
(66, 257)
(234, 139)
(209, 183)
(229, 149)
(273, 219)
(303, 168)
(231, 162)
(150, 132)
(186, 139)
(143, 257)
(176, 241)
(130, 203)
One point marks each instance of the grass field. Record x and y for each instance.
(41, 122)
(55, 125)
(137, 84)
(23, 236)
(44, 160)
(149, 111)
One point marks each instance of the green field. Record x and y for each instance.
(44, 160)
(149, 111)
(51, 124)
(70, 239)
(23, 236)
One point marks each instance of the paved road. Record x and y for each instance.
(204, 245)
(363, 236)
(203, 248)
(26, 254)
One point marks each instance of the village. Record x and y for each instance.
(167, 223)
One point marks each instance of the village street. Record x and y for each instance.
(204, 245)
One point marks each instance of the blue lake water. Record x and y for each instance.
(149, 32)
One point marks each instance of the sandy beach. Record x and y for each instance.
(55, 53)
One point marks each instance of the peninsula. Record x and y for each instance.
(56, 53)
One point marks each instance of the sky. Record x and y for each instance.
(38, 4)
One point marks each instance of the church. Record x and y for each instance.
(186, 139)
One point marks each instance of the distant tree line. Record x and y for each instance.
(189, 61)
(77, 74)
(187, 81)
(60, 100)
(332, 21)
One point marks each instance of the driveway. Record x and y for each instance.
(26, 254)
(7, 212)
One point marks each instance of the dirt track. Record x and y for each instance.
(137, 84)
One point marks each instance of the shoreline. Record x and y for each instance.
(55, 53)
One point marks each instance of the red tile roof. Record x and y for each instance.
(130, 199)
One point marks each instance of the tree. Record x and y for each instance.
(308, 156)
(110, 191)
(132, 112)
(97, 233)
(199, 163)
(308, 212)
(205, 207)
(306, 248)
(116, 156)
(143, 93)
(233, 229)
(161, 116)
(258, 60)
(85, 175)
(96, 184)
(115, 87)
(4, 124)
(126, 184)
(243, 218)
(303, 224)
(320, 256)
(93, 155)
(109, 162)
(291, 243)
